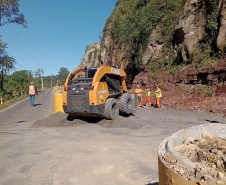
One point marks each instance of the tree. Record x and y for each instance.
(6, 62)
(21, 79)
(17, 83)
(62, 74)
(10, 13)
(50, 81)
(39, 73)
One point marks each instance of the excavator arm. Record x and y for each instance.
(102, 71)
(103, 81)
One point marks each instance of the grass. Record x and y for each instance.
(204, 90)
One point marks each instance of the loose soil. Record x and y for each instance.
(178, 89)
(174, 97)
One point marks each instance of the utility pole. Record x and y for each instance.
(42, 79)
(41, 71)
(51, 81)
(2, 78)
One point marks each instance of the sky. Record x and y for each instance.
(57, 34)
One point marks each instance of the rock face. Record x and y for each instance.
(189, 30)
(92, 56)
(221, 39)
(191, 27)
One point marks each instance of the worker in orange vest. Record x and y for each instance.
(148, 96)
(138, 91)
(158, 94)
(32, 92)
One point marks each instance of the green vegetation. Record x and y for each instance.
(6, 62)
(93, 52)
(16, 84)
(62, 74)
(133, 21)
(209, 51)
(10, 13)
(204, 90)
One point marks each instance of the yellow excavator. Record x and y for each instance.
(97, 92)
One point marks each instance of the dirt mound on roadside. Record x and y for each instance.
(61, 119)
(58, 119)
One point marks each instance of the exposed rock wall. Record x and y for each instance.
(92, 56)
(189, 30)
(191, 27)
(221, 39)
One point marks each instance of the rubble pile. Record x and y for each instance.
(209, 155)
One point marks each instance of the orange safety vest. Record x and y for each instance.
(31, 90)
(138, 92)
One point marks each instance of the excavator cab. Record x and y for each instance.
(91, 72)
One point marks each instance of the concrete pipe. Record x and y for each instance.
(193, 156)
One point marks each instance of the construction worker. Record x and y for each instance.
(148, 96)
(138, 91)
(32, 92)
(158, 95)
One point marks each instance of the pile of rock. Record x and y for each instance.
(209, 155)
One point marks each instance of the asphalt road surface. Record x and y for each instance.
(24, 112)
(85, 151)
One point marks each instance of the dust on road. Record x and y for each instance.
(57, 150)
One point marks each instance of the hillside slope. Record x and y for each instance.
(175, 43)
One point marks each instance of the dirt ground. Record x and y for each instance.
(174, 97)
(89, 151)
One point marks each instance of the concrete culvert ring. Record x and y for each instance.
(111, 109)
(195, 155)
(125, 104)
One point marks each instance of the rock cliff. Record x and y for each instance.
(92, 55)
(198, 34)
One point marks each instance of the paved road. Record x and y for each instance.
(85, 151)
(23, 112)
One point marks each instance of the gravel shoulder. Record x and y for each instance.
(56, 150)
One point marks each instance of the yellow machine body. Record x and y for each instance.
(86, 90)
